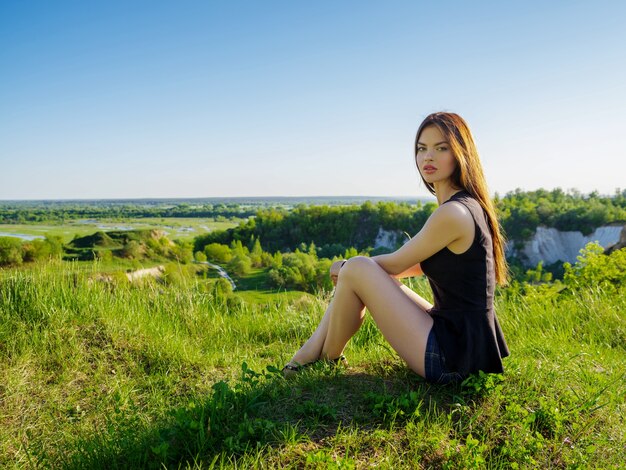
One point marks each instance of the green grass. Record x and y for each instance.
(256, 280)
(255, 288)
(113, 375)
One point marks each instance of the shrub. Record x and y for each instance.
(132, 250)
(595, 269)
(240, 265)
(39, 249)
(221, 287)
(218, 253)
(175, 274)
(182, 252)
(10, 251)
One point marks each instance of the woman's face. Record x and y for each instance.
(434, 156)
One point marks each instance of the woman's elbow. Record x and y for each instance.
(389, 263)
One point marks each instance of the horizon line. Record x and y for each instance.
(200, 198)
(349, 196)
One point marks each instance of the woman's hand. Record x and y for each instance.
(334, 270)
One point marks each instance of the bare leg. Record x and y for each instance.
(312, 349)
(424, 304)
(400, 315)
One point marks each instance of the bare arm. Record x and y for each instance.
(413, 271)
(447, 224)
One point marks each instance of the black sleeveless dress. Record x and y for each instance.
(465, 323)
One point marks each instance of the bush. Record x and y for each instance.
(595, 269)
(39, 249)
(104, 255)
(240, 265)
(221, 287)
(267, 260)
(182, 252)
(218, 253)
(159, 246)
(175, 274)
(10, 251)
(132, 250)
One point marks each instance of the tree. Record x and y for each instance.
(301, 271)
(218, 253)
(237, 248)
(256, 255)
(54, 244)
(240, 265)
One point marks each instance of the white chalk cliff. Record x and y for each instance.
(387, 238)
(550, 245)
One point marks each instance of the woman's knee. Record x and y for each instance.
(356, 266)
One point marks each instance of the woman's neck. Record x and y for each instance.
(444, 191)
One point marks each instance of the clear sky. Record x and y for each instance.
(146, 99)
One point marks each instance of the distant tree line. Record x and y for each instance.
(521, 212)
(332, 229)
(352, 225)
(335, 229)
(19, 213)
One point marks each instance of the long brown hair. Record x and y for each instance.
(468, 175)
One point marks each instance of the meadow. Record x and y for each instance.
(174, 227)
(179, 375)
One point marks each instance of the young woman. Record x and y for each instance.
(461, 251)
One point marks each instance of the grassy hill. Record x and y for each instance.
(121, 243)
(101, 375)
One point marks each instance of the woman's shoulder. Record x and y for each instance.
(456, 206)
(454, 213)
(465, 203)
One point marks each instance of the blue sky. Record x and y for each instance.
(283, 98)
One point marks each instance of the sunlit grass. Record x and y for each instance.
(108, 374)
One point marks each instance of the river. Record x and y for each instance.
(220, 271)
(20, 235)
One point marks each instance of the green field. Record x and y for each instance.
(174, 375)
(175, 228)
